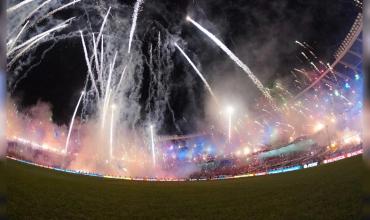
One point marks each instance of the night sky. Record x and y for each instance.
(261, 33)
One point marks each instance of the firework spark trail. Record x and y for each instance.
(197, 71)
(111, 133)
(158, 89)
(159, 45)
(304, 74)
(307, 47)
(89, 66)
(160, 65)
(25, 49)
(96, 57)
(36, 38)
(111, 68)
(19, 5)
(235, 59)
(315, 67)
(100, 74)
(173, 117)
(332, 72)
(300, 44)
(28, 42)
(312, 53)
(37, 9)
(134, 20)
(322, 63)
(289, 126)
(28, 45)
(305, 56)
(25, 74)
(151, 82)
(300, 71)
(105, 108)
(108, 89)
(13, 42)
(72, 121)
(343, 97)
(28, 17)
(121, 78)
(58, 9)
(151, 55)
(152, 144)
(100, 36)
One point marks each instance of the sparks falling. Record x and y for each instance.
(134, 20)
(244, 67)
(72, 121)
(197, 71)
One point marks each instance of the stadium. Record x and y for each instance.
(294, 151)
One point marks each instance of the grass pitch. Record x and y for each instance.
(332, 191)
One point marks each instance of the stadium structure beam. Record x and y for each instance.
(353, 67)
(355, 54)
(341, 75)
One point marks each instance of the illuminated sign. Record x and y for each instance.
(355, 153)
(334, 159)
(314, 164)
(283, 170)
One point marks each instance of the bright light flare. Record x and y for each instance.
(333, 145)
(318, 127)
(230, 110)
(353, 139)
(246, 151)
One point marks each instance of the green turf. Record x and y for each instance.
(330, 191)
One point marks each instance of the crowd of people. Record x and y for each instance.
(210, 166)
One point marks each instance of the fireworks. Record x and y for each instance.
(113, 132)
